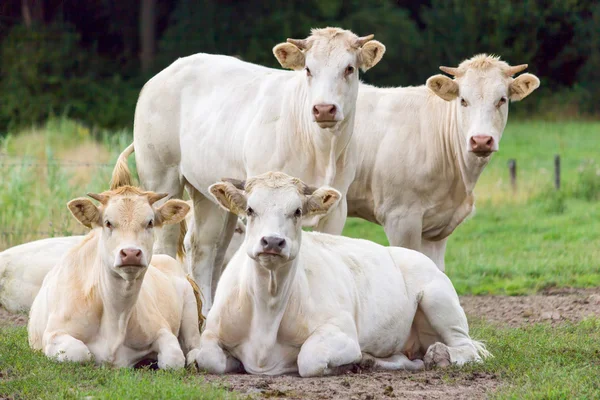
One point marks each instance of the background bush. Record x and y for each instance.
(81, 59)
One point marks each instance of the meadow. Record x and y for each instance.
(517, 243)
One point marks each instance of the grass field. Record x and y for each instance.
(517, 243)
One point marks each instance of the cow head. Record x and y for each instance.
(127, 218)
(274, 204)
(482, 87)
(330, 59)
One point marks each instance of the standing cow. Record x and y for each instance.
(209, 116)
(423, 149)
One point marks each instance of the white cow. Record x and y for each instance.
(23, 267)
(423, 149)
(104, 301)
(208, 116)
(311, 302)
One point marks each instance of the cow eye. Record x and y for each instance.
(501, 102)
(108, 225)
(463, 103)
(308, 71)
(249, 211)
(150, 224)
(298, 213)
(349, 70)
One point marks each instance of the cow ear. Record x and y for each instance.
(321, 201)
(522, 86)
(370, 54)
(172, 212)
(85, 211)
(443, 86)
(289, 56)
(229, 197)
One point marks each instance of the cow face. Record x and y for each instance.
(274, 204)
(127, 218)
(482, 88)
(330, 59)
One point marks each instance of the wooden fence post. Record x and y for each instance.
(512, 169)
(557, 171)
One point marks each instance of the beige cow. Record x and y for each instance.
(105, 301)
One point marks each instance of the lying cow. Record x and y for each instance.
(103, 300)
(23, 267)
(310, 302)
(208, 116)
(424, 148)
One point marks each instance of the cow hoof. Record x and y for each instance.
(171, 361)
(437, 356)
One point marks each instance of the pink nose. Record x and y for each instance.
(482, 144)
(324, 112)
(131, 256)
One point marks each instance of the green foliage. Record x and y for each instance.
(45, 71)
(588, 181)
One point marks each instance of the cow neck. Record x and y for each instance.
(271, 292)
(469, 165)
(321, 144)
(119, 297)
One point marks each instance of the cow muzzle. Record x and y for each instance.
(326, 115)
(482, 145)
(130, 257)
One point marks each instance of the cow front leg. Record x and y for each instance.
(327, 350)
(213, 359)
(404, 230)
(436, 251)
(64, 347)
(170, 355)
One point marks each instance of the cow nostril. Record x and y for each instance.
(332, 110)
(489, 141)
(473, 141)
(123, 254)
(138, 254)
(264, 242)
(281, 244)
(315, 110)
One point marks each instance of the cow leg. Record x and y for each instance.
(393, 363)
(329, 349)
(163, 180)
(64, 347)
(213, 359)
(404, 230)
(170, 355)
(335, 221)
(213, 229)
(189, 333)
(441, 319)
(436, 251)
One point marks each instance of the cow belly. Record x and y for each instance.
(261, 359)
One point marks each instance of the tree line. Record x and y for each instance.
(89, 58)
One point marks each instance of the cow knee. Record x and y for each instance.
(72, 350)
(212, 359)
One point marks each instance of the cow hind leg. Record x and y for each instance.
(212, 232)
(442, 327)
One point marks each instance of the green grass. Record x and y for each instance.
(26, 374)
(522, 242)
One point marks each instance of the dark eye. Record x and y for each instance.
(298, 213)
(308, 72)
(349, 70)
(150, 224)
(108, 225)
(249, 211)
(501, 102)
(463, 103)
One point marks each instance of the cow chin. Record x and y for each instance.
(327, 124)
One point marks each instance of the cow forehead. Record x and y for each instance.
(273, 180)
(483, 83)
(128, 210)
(323, 43)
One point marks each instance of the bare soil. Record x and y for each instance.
(553, 306)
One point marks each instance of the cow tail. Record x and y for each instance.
(198, 296)
(121, 175)
(180, 241)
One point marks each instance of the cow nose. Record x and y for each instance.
(272, 244)
(324, 112)
(131, 256)
(482, 144)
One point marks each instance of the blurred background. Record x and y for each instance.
(88, 59)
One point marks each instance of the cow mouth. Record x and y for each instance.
(268, 253)
(483, 154)
(132, 266)
(327, 124)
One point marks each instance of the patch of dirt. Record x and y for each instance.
(368, 386)
(552, 306)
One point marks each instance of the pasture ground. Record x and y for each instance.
(536, 243)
